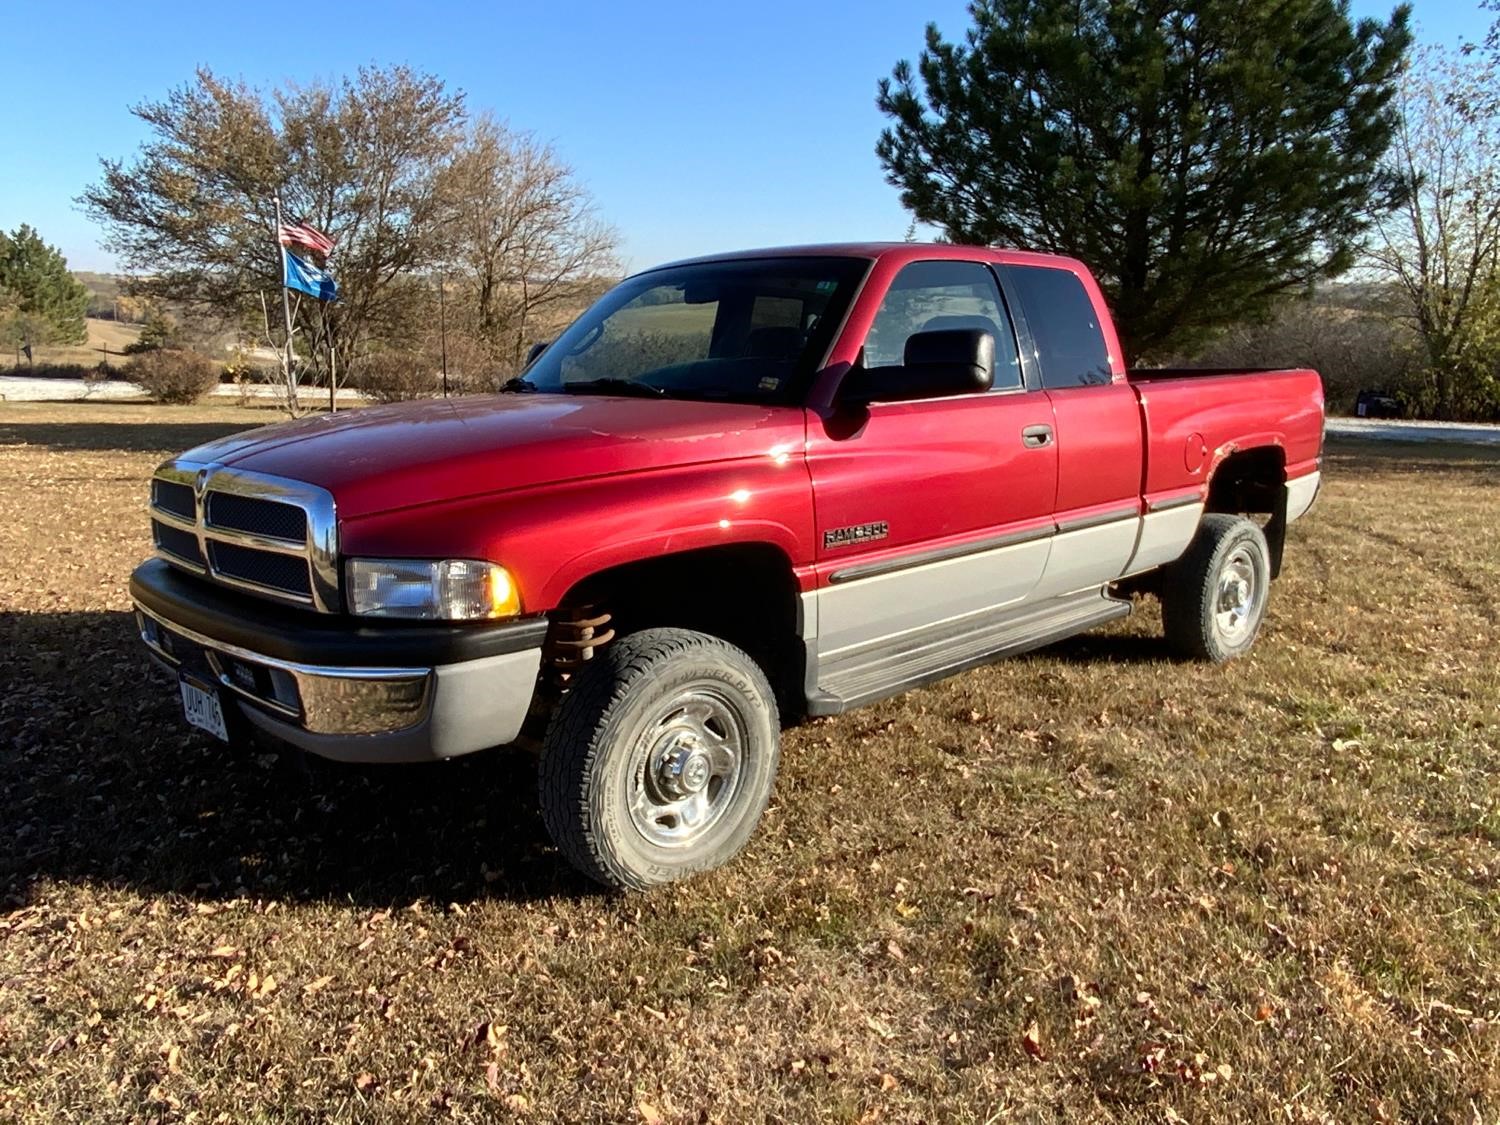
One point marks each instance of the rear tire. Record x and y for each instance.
(1213, 599)
(660, 758)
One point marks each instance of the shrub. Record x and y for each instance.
(1354, 349)
(394, 377)
(173, 376)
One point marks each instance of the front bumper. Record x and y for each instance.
(343, 688)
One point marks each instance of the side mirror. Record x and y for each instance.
(535, 350)
(952, 361)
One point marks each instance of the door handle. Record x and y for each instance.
(1036, 437)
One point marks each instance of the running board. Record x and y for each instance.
(888, 668)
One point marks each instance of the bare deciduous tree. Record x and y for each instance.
(1442, 246)
(193, 213)
(524, 237)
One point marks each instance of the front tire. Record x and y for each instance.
(1213, 599)
(660, 759)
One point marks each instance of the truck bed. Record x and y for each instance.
(1156, 374)
(1195, 417)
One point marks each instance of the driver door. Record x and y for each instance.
(932, 510)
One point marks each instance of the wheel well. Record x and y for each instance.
(1248, 481)
(1253, 481)
(745, 594)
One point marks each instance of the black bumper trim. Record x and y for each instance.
(317, 639)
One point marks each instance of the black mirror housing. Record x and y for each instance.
(952, 361)
(535, 350)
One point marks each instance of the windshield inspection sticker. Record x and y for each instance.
(769, 383)
(859, 533)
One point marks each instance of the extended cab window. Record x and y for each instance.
(1069, 341)
(931, 296)
(750, 330)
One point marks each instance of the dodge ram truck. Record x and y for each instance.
(738, 491)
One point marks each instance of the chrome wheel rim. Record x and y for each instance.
(689, 774)
(1237, 606)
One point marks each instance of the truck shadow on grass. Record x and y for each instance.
(119, 437)
(101, 781)
(1113, 648)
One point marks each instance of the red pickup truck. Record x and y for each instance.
(737, 491)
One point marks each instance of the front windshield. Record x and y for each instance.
(749, 330)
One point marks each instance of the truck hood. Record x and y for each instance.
(381, 458)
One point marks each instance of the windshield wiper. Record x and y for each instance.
(614, 387)
(518, 385)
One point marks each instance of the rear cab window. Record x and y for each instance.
(1064, 326)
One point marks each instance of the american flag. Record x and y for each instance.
(309, 237)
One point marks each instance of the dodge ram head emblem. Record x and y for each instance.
(859, 533)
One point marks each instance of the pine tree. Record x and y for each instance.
(42, 302)
(1202, 156)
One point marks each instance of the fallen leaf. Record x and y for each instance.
(888, 1082)
(319, 984)
(649, 1113)
(1031, 1041)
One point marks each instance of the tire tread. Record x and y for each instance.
(575, 739)
(1191, 583)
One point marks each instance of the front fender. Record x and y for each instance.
(551, 537)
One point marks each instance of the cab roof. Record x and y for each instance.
(899, 252)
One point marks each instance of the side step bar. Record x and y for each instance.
(887, 668)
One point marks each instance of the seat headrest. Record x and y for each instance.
(774, 342)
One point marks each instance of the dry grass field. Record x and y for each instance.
(1091, 884)
(111, 334)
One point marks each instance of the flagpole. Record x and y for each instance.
(443, 330)
(286, 307)
(333, 363)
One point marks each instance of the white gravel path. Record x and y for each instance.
(18, 388)
(1446, 433)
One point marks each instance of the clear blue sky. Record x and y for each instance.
(698, 127)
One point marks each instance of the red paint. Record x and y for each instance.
(557, 487)
(1099, 449)
(1225, 413)
(938, 472)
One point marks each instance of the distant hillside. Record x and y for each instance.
(105, 290)
(102, 334)
(100, 284)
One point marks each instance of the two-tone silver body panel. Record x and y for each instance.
(932, 612)
(1301, 493)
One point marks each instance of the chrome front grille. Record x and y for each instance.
(285, 574)
(177, 544)
(175, 498)
(252, 514)
(270, 536)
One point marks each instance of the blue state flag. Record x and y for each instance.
(308, 278)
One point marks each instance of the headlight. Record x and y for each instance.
(445, 590)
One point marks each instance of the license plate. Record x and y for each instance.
(202, 709)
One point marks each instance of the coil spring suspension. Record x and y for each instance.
(573, 636)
